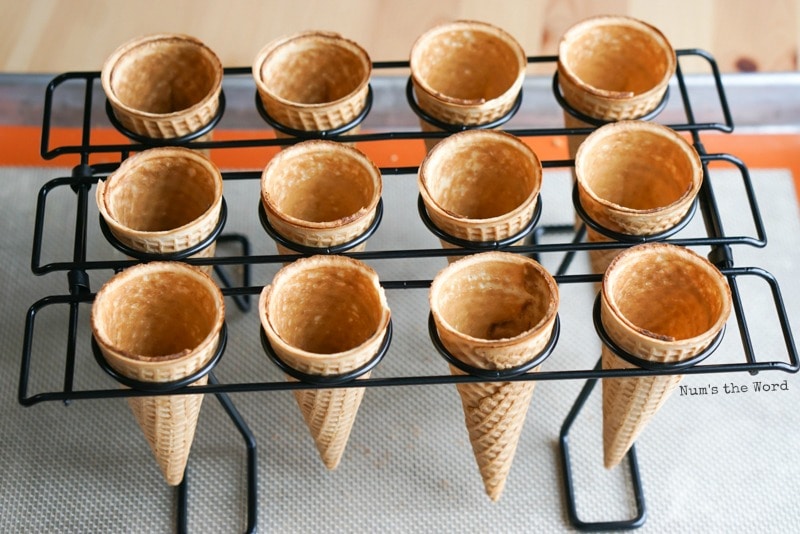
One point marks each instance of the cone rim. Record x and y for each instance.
(129, 166)
(312, 263)
(568, 73)
(330, 37)
(545, 323)
(639, 253)
(144, 269)
(446, 144)
(483, 27)
(110, 63)
(316, 146)
(599, 135)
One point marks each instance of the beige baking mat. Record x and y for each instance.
(710, 463)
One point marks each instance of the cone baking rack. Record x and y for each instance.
(540, 240)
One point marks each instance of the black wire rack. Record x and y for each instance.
(540, 241)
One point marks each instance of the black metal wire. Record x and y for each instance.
(479, 245)
(166, 256)
(569, 482)
(315, 134)
(328, 380)
(161, 387)
(91, 79)
(252, 463)
(493, 374)
(84, 179)
(251, 478)
(753, 364)
(566, 106)
(242, 301)
(717, 238)
(333, 249)
(167, 141)
(86, 174)
(629, 238)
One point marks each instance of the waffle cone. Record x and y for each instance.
(313, 81)
(614, 68)
(635, 178)
(480, 185)
(661, 303)
(494, 414)
(494, 310)
(160, 322)
(162, 200)
(351, 317)
(163, 86)
(320, 193)
(466, 73)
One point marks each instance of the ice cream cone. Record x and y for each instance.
(313, 81)
(612, 68)
(163, 86)
(326, 315)
(466, 73)
(635, 178)
(660, 303)
(320, 194)
(163, 200)
(480, 185)
(160, 322)
(494, 310)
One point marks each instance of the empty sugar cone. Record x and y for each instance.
(635, 178)
(661, 303)
(496, 311)
(480, 185)
(326, 315)
(163, 200)
(160, 322)
(612, 68)
(313, 81)
(320, 194)
(163, 86)
(466, 73)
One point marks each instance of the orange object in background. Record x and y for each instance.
(19, 146)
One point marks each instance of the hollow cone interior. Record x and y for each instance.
(480, 185)
(313, 80)
(164, 85)
(162, 200)
(635, 178)
(614, 68)
(466, 72)
(321, 193)
(494, 310)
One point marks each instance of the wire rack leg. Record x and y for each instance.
(242, 301)
(569, 485)
(252, 468)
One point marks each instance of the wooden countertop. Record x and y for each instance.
(58, 36)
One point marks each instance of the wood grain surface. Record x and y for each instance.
(47, 36)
